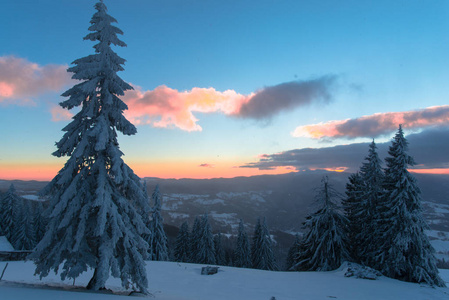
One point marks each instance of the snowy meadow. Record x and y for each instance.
(182, 281)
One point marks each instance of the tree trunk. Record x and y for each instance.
(93, 282)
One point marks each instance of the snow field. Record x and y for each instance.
(181, 281)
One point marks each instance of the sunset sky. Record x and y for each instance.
(235, 88)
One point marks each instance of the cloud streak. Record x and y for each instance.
(21, 80)
(169, 108)
(376, 125)
(429, 148)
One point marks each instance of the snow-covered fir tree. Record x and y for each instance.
(95, 198)
(182, 244)
(219, 251)
(194, 239)
(405, 252)
(205, 252)
(261, 249)
(242, 252)
(293, 253)
(324, 246)
(353, 208)
(7, 204)
(368, 213)
(158, 237)
(24, 237)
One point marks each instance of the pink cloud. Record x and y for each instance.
(60, 114)
(21, 80)
(376, 124)
(167, 107)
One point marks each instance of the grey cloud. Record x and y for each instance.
(271, 100)
(429, 148)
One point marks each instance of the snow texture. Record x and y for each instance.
(183, 281)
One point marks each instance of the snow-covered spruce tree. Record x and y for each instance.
(325, 243)
(242, 254)
(206, 251)
(182, 244)
(405, 252)
(353, 208)
(373, 178)
(94, 220)
(219, 251)
(293, 253)
(194, 240)
(7, 203)
(261, 249)
(158, 238)
(24, 232)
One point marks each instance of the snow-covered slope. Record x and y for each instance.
(174, 281)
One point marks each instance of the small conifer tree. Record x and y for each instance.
(325, 243)
(182, 244)
(219, 251)
(159, 238)
(242, 252)
(261, 250)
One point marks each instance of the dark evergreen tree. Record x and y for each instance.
(324, 246)
(205, 250)
(405, 252)
(145, 215)
(24, 232)
(182, 244)
(242, 254)
(368, 213)
(261, 250)
(159, 238)
(7, 203)
(194, 240)
(219, 251)
(353, 209)
(95, 198)
(293, 253)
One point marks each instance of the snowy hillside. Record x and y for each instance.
(174, 281)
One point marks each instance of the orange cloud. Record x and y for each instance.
(376, 124)
(439, 171)
(21, 80)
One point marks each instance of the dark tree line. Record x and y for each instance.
(379, 224)
(201, 246)
(22, 221)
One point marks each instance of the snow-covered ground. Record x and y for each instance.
(174, 281)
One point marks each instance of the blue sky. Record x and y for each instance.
(382, 57)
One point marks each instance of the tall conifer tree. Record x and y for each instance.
(405, 252)
(368, 213)
(242, 252)
(95, 197)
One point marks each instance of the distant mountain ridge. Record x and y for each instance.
(284, 200)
